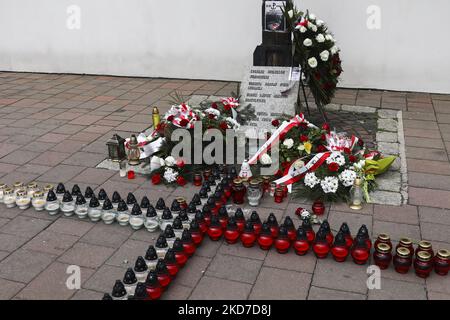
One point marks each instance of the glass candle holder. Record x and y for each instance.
(383, 238)
(238, 191)
(94, 210)
(254, 193)
(38, 201)
(356, 195)
(46, 189)
(272, 189)
(425, 246)
(206, 174)
(442, 262)
(198, 179)
(17, 186)
(423, 264)
(52, 203)
(2, 188)
(22, 199)
(407, 244)
(32, 187)
(402, 260)
(382, 255)
(67, 204)
(81, 207)
(9, 197)
(279, 195)
(108, 212)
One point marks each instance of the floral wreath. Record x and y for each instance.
(316, 51)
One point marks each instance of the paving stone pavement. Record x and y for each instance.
(53, 127)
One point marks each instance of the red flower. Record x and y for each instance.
(156, 179)
(214, 105)
(321, 148)
(223, 125)
(285, 164)
(278, 173)
(170, 118)
(211, 116)
(304, 138)
(326, 127)
(227, 107)
(361, 143)
(180, 163)
(303, 125)
(323, 137)
(347, 151)
(333, 167)
(352, 158)
(275, 122)
(183, 122)
(181, 181)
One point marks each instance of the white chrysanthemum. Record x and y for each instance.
(329, 37)
(359, 165)
(311, 180)
(302, 29)
(320, 23)
(312, 16)
(233, 123)
(213, 111)
(329, 184)
(336, 157)
(347, 177)
(169, 161)
(170, 175)
(265, 159)
(288, 143)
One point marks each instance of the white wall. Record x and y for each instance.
(215, 39)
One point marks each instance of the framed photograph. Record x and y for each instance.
(273, 18)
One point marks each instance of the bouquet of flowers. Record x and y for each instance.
(333, 161)
(221, 115)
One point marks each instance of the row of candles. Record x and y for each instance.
(153, 272)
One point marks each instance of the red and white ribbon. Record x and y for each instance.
(294, 174)
(284, 128)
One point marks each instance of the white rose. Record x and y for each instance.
(288, 143)
(324, 55)
(320, 38)
(303, 29)
(334, 50)
(319, 23)
(170, 161)
(329, 37)
(307, 42)
(312, 62)
(291, 13)
(312, 16)
(265, 159)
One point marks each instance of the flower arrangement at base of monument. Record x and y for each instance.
(220, 115)
(320, 163)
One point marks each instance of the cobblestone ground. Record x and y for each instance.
(54, 127)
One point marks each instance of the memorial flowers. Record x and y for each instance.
(322, 164)
(317, 52)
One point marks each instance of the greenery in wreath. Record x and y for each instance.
(316, 50)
